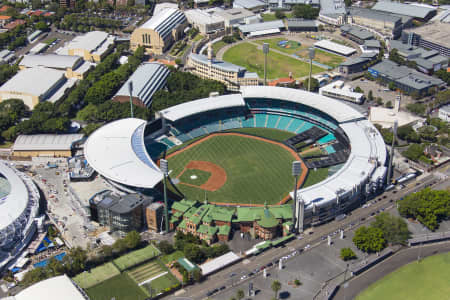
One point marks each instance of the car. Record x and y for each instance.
(372, 214)
(232, 274)
(250, 274)
(222, 288)
(243, 277)
(269, 265)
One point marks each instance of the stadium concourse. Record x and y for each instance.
(124, 152)
(19, 204)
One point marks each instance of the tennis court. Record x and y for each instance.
(136, 257)
(95, 276)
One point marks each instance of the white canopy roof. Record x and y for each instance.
(117, 152)
(219, 262)
(336, 109)
(184, 110)
(335, 47)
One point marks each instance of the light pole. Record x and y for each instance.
(165, 169)
(296, 170)
(130, 89)
(311, 54)
(265, 48)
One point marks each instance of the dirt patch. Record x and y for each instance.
(215, 181)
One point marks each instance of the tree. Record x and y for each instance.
(314, 84)
(370, 96)
(279, 14)
(417, 108)
(369, 239)
(197, 275)
(389, 104)
(41, 25)
(276, 287)
(391, 85)
(414, 151)
(347, 254)
(359, 90)
(240, 294)
(119, 246)
(428, 206)
(395, 230)
(166, 247)
(348, 3)
(305, 11)
(193, 253)
(132, 239)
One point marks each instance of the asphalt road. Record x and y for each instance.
(401, 258)
(358, 216)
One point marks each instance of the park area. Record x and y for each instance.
(136, 257)
(278, 65)
(256, 170)
(428, 279)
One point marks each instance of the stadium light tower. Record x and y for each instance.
(391, 158)
(311, 54)
(130, 89)
(165, 169)
(265, 48)
(296, 170)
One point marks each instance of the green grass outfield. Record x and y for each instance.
(136, 257)
(202, 177)
(429, 279)
(278, 65)
(268, 133)
(120, 287)
(96, 275)
(314, 177)
(325, 57)
(257, 171)
(273, 44)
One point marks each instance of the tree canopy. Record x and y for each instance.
(347, 254)
(428, 206)
(395, 230)
(369, 239)
(305, 11)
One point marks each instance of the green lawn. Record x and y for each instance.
(96, 275)
(197, 37)
(314, 177)
(202, 177)
(120, 287)
(273, 44)
(278, 65)
(172, 257)
(429, 279)
(6, 145)
(269, 133)
(136, 257)
(218, 45)
(324, 57)
(49, 41)
(271, 16)
(257, 171)
(159, 284)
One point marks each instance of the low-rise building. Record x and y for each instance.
(356, 34)
(301, 25)
(420, 13)
(288, 4)
(160, 32)
(444, 113)
(234, 16)
(73, 66)
(357, 64)
(404, 78)
(231, 75)
(92, 46)
(253, 5)
(333, 47)
(338, 90)
(46, 145)
(35, 85)
(6, 56)
(146, 80)
(4, 20)
(433, 35)
(261, 29)
(205, 20)
(14, 24)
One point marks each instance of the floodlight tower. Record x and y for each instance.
(391, 158)
(130, 90)
(265, 48)
(165, 169)
(296, 170)
(311, 54)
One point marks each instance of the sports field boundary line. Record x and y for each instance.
(282, 145)
(153, 278)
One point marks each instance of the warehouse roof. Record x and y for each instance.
(233, 14)
(262, 26)
(147, 79)
(218, 263)
(184, 110)
(435, 32)
(117, 152)
(332, 7)
(249, 4)
(89, 41)
(38, 142)
(54, 61)
(375, 15)
(295, 22)
(35, 81)
(372, 43)
(54, 288)
(335, 47)
(404, 9)
(198, 16)
(165, 21)
(359, 32)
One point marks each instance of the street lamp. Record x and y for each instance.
(130, 90)
(296, 170)
(311, 54)
(165, 169)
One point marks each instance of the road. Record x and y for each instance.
(401, 258)
(357, 217)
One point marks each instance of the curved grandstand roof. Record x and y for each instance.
(117, 152)
(334, 108)
(187, 109)
(12, 205)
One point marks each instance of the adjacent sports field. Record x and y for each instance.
(291, 48)
(120, 287)
(429, 279)
(154, 275)
(324, 57)
(257, 170)
(136, 257)
(99, 274)
(247, 55)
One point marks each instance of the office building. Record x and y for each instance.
(435, 36)
(154, 215)
(358, 64)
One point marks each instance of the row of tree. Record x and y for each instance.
(429, 207)
(79, 22)
(386, 229)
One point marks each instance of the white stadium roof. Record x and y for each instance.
(13, 205)
(117, 152)
(55, 288)
(340, 111)
(335, 47)
(184, 110)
